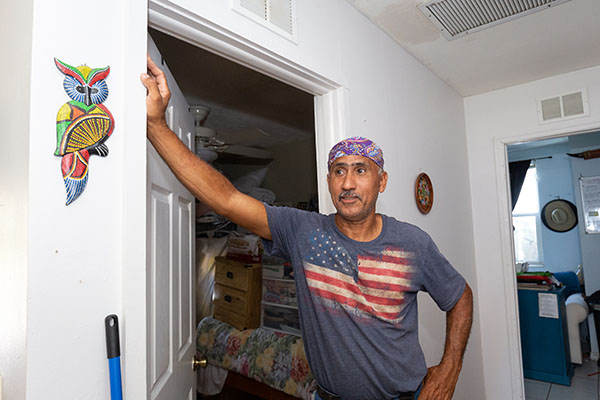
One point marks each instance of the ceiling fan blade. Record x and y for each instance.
(247, 151)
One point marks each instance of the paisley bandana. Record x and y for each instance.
(356, 146)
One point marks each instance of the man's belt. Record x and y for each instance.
(326, 395)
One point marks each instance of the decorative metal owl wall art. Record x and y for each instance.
(82, 125)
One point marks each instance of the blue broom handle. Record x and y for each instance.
(113, 352)
(114, 365)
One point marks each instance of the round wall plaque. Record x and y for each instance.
(424, 193)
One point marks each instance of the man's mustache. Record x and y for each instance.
(349, 193)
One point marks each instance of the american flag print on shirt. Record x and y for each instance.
(373, 286)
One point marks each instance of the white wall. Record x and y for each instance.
(413, 115)
(15, 42)
(508, 115)
(81, 256)
(78, 253)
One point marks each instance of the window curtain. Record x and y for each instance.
(517, 171)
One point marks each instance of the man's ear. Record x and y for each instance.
(383, 178)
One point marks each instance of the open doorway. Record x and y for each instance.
(257, 131)
(558, 341)
(241, 132)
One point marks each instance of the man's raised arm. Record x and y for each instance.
(205, 183)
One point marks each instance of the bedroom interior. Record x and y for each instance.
(550, 235)
(260, 134)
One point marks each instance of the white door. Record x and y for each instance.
(170, 271)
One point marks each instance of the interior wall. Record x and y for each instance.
(292, 175)
(16, 23)
(561, 250)
(78, 253)
(508, 115)
(590, 243)
(415, 117)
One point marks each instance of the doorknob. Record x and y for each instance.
(199, 363)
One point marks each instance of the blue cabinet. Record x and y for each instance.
(544, 339)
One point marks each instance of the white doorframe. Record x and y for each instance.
(133, 210)
(331, 125)
(331, 99)
(507, 243)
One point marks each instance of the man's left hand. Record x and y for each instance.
(439, 383)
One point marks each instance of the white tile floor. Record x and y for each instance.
(583, 387)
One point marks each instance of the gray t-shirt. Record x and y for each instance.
(357, 301)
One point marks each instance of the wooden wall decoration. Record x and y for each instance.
(424, 193)
(82, 125)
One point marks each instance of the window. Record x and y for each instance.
(527, 224)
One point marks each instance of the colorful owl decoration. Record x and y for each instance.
(82, 124)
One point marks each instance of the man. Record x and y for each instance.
(357, 272)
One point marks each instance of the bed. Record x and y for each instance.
(258, 360)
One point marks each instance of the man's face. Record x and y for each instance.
(354, 184)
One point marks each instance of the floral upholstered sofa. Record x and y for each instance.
(275, 359)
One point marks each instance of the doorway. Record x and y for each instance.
(329, 122)
(554, 166)
(255, 130)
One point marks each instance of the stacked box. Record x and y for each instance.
(281, 318)
(279, 291)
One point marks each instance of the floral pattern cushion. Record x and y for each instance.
(275, 359)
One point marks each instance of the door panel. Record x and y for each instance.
(171, 264)
(159, 293)
(185, 276)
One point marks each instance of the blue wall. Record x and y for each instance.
(590, 243)
(561, 251)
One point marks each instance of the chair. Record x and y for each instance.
(577, 312)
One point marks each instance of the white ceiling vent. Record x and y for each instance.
(569, 105)
(456, 18)
(277, 15)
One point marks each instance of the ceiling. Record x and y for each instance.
(251, 109)
(247, 108)
(558, 39)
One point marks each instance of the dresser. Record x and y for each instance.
(237, 293)
(544, 338)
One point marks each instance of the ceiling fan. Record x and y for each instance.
(208, 146)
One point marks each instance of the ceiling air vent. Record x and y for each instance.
(277, 15)
(456, 18)
(565, 106)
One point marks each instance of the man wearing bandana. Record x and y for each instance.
(357, 272)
